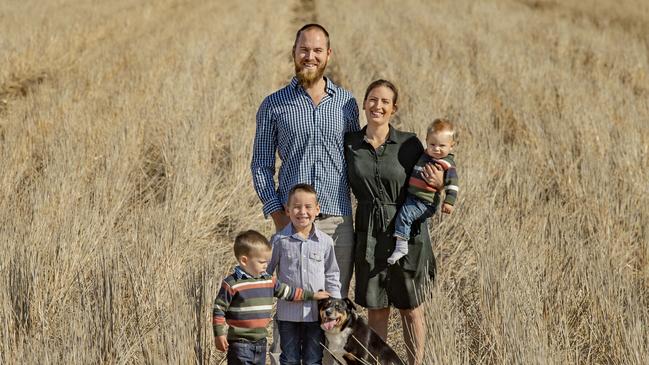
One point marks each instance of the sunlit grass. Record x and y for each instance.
(125, 138)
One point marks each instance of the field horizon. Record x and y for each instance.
(126, 130)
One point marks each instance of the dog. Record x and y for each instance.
(350, 338)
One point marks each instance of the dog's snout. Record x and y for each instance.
(329, 311)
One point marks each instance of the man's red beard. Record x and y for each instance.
(306, 77)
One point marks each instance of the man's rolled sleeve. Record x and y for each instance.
(351, 116)
(262, 165)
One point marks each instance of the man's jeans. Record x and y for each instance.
(341, 229)
(413, 209)
(247, 353)
(301, 343)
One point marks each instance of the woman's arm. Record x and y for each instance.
(433, 174)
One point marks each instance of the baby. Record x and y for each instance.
(423, 199)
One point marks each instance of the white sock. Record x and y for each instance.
(400, 250)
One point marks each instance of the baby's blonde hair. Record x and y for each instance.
(442, 125)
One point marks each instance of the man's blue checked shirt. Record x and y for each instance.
(310, 142)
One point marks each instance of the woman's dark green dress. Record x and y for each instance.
(378, 179)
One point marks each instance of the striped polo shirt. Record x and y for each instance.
(245, 303)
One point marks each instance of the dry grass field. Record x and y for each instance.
(126, 129)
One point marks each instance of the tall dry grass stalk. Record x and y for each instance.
(125, 138)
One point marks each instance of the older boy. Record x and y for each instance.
(245, 301)
(303, 256)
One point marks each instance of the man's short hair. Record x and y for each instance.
(310, 26)
(302, 187)
(248, 241)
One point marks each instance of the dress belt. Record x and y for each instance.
(378, 213)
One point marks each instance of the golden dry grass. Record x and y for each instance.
(125, 137)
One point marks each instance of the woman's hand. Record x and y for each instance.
(434, 176)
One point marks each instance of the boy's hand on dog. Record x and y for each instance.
(321, 295)
(447, 208)
(221, 343)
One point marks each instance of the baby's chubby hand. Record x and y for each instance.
(447, 208)
(321, 295)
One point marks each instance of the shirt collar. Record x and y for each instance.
(240, 274)
(330, 87)
(391, 135)
(313, 236)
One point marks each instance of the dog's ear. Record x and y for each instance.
(350, 304)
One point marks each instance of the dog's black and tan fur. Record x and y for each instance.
(349, 337)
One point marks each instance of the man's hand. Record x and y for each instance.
(221, 343)
(321, 295)
(434, 176)
(280, 219)
(447, 208)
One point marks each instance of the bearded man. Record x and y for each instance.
(305, 123)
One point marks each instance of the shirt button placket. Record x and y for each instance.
(317, 144)
(302, 276)
(377, 176)
(304, 273)
(379, 184)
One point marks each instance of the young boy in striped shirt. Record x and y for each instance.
(422, 200)
(245, 301)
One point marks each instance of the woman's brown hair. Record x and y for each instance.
(385, 83)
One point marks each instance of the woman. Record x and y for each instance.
(380, 159)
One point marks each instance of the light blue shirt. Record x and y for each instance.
(308, 264)
(310, 142)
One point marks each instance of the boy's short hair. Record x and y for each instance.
(248, 241)
(302, 187)
(442, 125)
